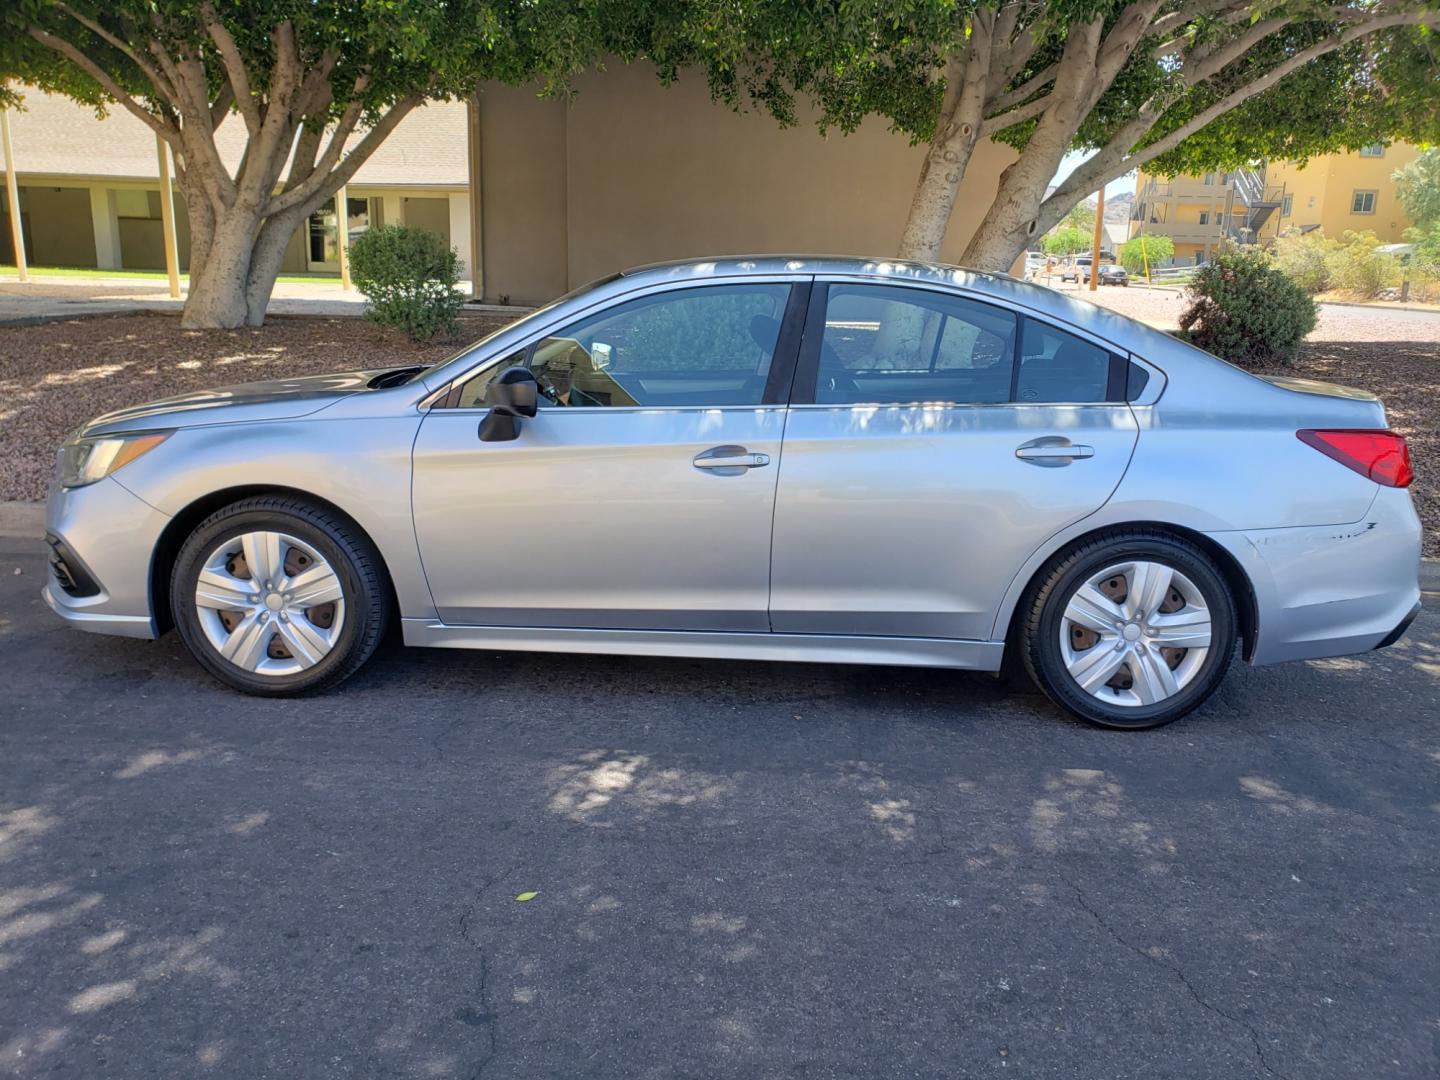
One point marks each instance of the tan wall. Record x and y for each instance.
(651, 173)
(522, 195)
(57, 226)
(428, 213)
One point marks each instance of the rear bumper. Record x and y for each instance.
(107, 536)
(1332, 590)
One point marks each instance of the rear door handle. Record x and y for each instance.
(729, 460)
(1053, 451)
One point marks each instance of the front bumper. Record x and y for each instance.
(1332, 590)
(112, 534)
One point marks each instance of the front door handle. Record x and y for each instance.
(729, 460)
(1052, 451)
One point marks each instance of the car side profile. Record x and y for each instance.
(773, 458)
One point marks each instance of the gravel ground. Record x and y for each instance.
(55, 376)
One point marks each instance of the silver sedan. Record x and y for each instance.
(812, 459)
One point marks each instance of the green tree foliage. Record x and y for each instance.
(1245, 310)
(1135, 252)
(316, 84)
(1067, 240)
(1418, 184)
(1182, 84)
(1082, 216)
(408, 278)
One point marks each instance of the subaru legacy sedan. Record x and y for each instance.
(810, 459)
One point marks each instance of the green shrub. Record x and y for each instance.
(408, 277)
(1156, 250)
(1357, 268)
(1245, 310)
(1304, 259)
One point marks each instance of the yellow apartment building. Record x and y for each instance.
(1340, 192)
(1334, 192)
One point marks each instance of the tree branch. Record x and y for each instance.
(220, 107)
(156, 79)
(82, 61)
(235, 69)
(321, 184)
(1115, 158)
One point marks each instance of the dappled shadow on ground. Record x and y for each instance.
(739, 869)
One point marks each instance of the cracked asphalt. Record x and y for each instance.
(743, 870)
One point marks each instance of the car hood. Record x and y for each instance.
(274, 399)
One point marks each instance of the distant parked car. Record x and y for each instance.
(1111, 274)
(770, 458)
(1077, 269)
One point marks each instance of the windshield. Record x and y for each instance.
(464, 354)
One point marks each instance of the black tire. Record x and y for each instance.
(356, 564)
(1044, 604)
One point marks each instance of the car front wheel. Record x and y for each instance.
(1130, 630)
(274, 596)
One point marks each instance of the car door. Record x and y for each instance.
(641, 495)
(935, 441)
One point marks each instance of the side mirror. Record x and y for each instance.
(510, 395)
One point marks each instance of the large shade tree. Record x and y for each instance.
(317, 84)
(1164, 84)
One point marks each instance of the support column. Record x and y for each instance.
(342, 235)
(167, 218)
(12, 189)
(107, 228)
(472, 158)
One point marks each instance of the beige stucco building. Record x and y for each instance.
(1336, 193)
(537, 195)
(90, 188)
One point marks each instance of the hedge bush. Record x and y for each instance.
(408, 277)
(1246, 310)
(1305, 259)
(1357, 268)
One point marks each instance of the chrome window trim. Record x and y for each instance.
(566, 410)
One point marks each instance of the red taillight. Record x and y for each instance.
(1383, 456)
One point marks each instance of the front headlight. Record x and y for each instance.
(85, 461)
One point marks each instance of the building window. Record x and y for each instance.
(1286, 205)
(1204, 217)
(1209, 178)
(1375, 150)
(1362, 202)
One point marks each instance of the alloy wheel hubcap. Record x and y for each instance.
(269, 603)
(1135, 634)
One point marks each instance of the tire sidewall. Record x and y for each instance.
(1049, 664)
(187, 621)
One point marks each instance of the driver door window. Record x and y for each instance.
(704, 347)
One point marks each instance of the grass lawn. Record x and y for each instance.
(158, 275)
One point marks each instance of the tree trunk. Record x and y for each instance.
(1015, 217)
(265, 260)
(217, 293)
(956, 133)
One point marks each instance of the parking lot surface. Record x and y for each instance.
(741, 870)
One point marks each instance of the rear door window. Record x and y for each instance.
(885, 344)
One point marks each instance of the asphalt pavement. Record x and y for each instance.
(740, 870)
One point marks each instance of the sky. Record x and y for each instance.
(1072, 161)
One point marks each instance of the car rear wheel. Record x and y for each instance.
(274, 596)
(1130, 630)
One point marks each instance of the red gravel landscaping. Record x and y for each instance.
(55, 376)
